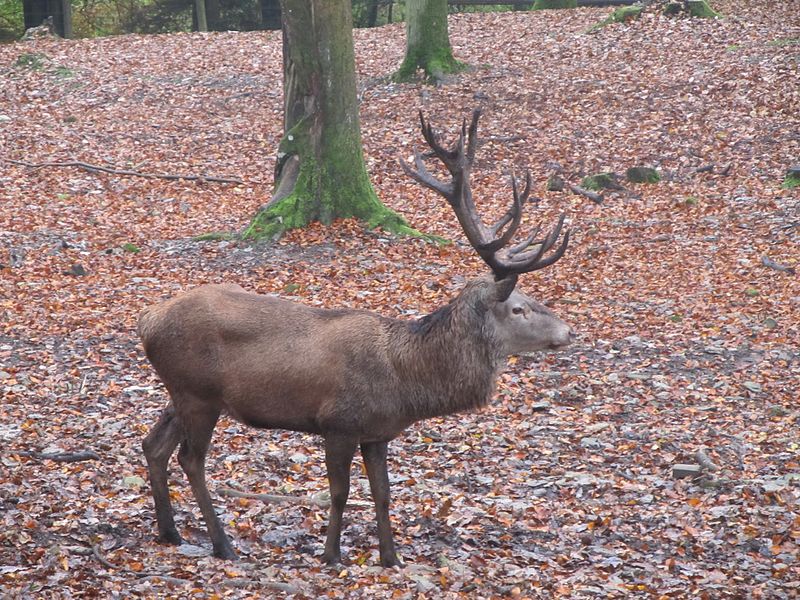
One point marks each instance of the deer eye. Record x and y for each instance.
(518, 310)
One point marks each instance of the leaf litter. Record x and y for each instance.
(564, 487)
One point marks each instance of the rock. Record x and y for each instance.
(682, 471)
(591, 443)
(642, 175)
(133, 481)
(194, 551)
(554, 184)
(299, 458)
(77, 270)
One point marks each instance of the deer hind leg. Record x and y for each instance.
(338, 458)
(199, 425)
(158, 447)
(374, 454)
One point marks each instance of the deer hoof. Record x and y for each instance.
(225, 552)
(391, 561)
(332, 559)
(170, 536)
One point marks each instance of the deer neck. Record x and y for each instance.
(454, 361)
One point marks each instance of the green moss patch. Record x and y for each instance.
(791, 181)
(620, 15)
(694, 8)
(600, 181)
(642, 175)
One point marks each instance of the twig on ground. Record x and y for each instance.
(60, 456)
(235, 582)
(103, 561)
(241, 582)
(768, 262)
(101, 169)
(165, 578)
(593, 196)
(280, 499)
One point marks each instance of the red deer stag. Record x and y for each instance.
(354, 377)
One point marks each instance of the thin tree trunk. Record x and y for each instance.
(200, 13)
(320, 173)
(372, 13)
(427, 41)
(270, 14)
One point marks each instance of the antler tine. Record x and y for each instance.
(541, 264)
(442, 153)
(509, 214)
(423, 176)
(472, 146)
(526, 243)
(506, 263)
(532, 259)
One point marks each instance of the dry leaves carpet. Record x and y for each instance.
(564, 487)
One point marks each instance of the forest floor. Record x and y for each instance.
(685, 294)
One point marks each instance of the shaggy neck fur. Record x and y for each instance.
(449, 359)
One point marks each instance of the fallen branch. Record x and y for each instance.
(67, 457)
(280, 499)
(703, 459)
(242, 582)
(593, 196)
(165, 578)
(103, 561)
(768, 262)
(101, 169)
(141, 576)
(235, 582)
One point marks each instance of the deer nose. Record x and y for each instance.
(572, 336)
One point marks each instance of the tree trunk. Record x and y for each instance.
(427, 42)
(270, 14)
(213, 16)
(372, 13)
(200, 14)
(34, 12)
(320, 173)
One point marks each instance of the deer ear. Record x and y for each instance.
(504, 287)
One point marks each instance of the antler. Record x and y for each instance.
(523, 257)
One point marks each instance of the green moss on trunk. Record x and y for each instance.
(620, 15)
(321, 175)
(701, 9)
(642, 175)
(694, 8)
(427, 42)
(547, 4)
(600, 181)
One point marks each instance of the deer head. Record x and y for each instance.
(521, 324)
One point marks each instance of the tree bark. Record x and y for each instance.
(270, 14)
(320, 173)
(427, 42)
(200, 14)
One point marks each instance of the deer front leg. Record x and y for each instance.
(374, 454)
(338, 458)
